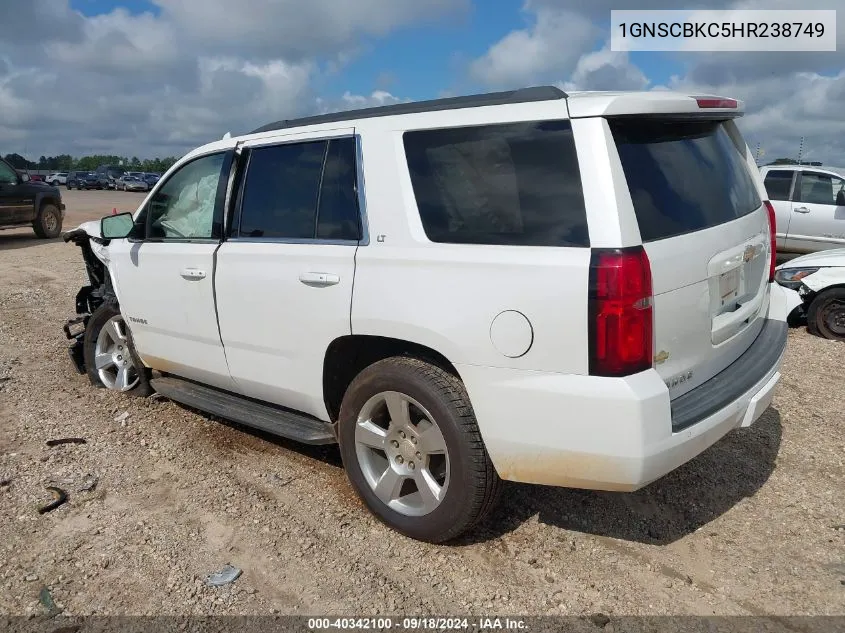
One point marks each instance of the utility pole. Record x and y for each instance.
(800, 150)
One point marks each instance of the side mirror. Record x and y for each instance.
(116, 227)
(840, 198)
(25, 178)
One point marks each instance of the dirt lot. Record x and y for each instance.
(753, 526)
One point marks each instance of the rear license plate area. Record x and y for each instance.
(729, 287)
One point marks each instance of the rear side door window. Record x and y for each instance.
(778, 184)
(819, 188)
(301, 191)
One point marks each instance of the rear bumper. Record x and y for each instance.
(616, 433)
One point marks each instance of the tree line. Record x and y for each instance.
(66, 162)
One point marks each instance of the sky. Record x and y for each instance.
(151, 78)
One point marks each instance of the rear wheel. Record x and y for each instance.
(826, 316)
(110, 358)
(412, 450)
(48, 222)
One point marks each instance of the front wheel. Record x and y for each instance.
(48, 222)
(826, 316)
(413, 452)
(110, 358)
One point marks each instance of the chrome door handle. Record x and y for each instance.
(192, 274)
(319, 280)
(801, 210)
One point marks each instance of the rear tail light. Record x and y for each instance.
(772, 239)
(716, 102)
(620, 312)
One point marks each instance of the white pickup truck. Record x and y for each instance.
(809, 205)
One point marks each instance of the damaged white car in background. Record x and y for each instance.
(815, 289)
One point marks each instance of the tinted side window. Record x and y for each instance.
(819, 188)
(514, 184)
(337, 216)
(684, 176)
(280, 191)
(778, 183)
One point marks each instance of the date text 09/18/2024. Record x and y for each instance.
(421, 624)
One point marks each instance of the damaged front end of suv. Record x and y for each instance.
(95, 254)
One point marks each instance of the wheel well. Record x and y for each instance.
(47, 200)
(347, 356)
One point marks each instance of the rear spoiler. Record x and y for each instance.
(654, 104)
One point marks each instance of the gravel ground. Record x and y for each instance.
(756, 525)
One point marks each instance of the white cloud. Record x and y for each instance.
(605, 69)
(549, 47)
(162, 83)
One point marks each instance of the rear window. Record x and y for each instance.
(684, 176)
(514, 184)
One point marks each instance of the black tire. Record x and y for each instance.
(48, 222)
(826, 315)
(473, 483)
(55, 183)
(98, 319)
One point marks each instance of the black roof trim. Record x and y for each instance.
(523, 95)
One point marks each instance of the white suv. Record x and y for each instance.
(809, 204)
(571, 290)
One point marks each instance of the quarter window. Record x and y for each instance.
(184, 207)
(515, 184)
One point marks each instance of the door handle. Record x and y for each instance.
(192, 274)
(801, 210)
(319, 280)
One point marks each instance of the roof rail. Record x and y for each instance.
(523, 95)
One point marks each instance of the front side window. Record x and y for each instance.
(819, 188)
(184, 207)
(8, 176)
(778, 184)
(516, 184)
(301, 191)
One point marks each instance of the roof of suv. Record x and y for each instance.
(574, 104)
(825, 170)
(523, 95)
(581, 104)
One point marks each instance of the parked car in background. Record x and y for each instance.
(809, 205)
(73, 179)
(815, 287)
(132, 183)
(91, 180)
(37, 178)
(58, 178)
(151, 179)
(581, 292)
(26, 202)
(108, 175)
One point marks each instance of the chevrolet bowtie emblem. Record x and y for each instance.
(661, 357)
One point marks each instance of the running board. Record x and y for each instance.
(266, 417)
